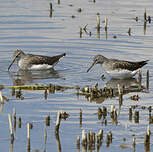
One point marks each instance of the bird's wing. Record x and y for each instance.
(119, 64)
(38, 59)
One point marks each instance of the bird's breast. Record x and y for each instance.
(40, 67)
(121, 73)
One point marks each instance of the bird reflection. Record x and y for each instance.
(130, 85)
(27, 76)
(126, 83)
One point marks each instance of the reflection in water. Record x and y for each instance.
(58, 142)
(111, 89)
(126, 83)
(24, 76)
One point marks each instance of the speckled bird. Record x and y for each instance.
(118, 69)
(34, 62)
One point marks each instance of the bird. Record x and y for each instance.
(34, 62)
(118, 69)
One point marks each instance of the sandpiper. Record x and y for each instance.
(34, 62)
(118, 69)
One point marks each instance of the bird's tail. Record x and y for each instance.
(142, 63)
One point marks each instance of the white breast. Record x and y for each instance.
(121, 74)
(40, 67)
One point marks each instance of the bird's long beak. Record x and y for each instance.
(91, 66)
(11, 63)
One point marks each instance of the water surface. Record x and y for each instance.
(27, 25)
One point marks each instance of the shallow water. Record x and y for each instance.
(27, 25)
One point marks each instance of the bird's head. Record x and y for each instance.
(16, 56)
(98, 59)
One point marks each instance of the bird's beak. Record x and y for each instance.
(11, 63)
(91, 66)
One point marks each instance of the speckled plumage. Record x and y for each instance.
(28, 61)
(118, 68)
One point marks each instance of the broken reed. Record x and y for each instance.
(28, 135)
(90, 140)
(45, 136)
(84, 138)
(130, 113)
(51, 9)
(58, 121)
(113, 114)
(78, 142)
(48, 121)
(120, 95)
(145, 16)
(129, 31)
(45, 94)
(14, 115)
(145, 21)
(80, 32)
(147, 139)
(80, 118)
(106, 23)
(1, 97)
(98, 22)
(140, 78)
(134, 143)
(19, 122)
(147, 80)
(11, 128)
(109, 139)
(136, 116)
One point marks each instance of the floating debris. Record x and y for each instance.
(123, 146)
(103, 77)
(115, 37)
(79, 10)
(136, 18)
(135, 97)
(73, 16)
(129, 31)
(64, 115)
(50, 87)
